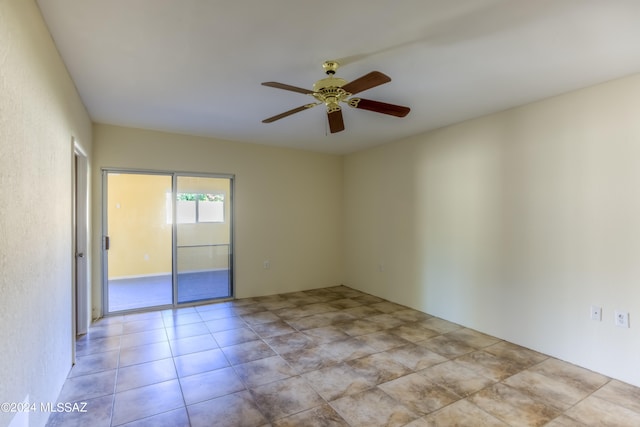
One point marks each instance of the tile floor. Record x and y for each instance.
(325, 357)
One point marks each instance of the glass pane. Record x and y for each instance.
(139, 258)
(203, 246)
(210, 211)
(186, 211)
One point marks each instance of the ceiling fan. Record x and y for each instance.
(331, 91)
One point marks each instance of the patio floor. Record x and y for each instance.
(151, 291)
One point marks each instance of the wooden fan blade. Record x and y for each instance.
(287, 87)
(336, 124)
(288, 113)
(373, 79)
(379, 107)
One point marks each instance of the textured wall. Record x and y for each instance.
(513, 224)
(40, 112)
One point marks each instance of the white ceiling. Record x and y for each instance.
(195, 66)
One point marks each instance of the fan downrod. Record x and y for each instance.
(330, 67)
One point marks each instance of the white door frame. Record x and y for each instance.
(80, 242)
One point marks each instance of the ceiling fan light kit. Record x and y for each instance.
(331, 91)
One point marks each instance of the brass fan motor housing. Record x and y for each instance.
(329, 90)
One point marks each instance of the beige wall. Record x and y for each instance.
(40, 112)
(512, 224)
(288, 203)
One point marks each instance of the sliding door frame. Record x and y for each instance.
(174, 256)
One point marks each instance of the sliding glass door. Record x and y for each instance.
(167, 239)
(203, 238)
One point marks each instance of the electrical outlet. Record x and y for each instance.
(266, 265)
(596, 313)
(622, 319)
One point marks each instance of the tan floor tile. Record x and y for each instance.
(447, 347)
(368, 299)
(388, 307)
(520, 356)
(145, 353)
(97, 345)
(310, 322)
(145, 374)
(358, 327)
(473, 338)
(260, 317)
(142, 325)
(418, 393)
(286, 397)
(248, 309)
(317, 308)
(182, 319)
(554, 392)
(488, 365)
(185, 331)
(578, 377)
(94, 363)
(310, 359)
(341, 304)
(276, 304)
(563, 421)
(349, 349)
(272, 329)
(373, 408)
(325, 334)
(146, 401)
(363, 311)
(208, 385)
(231, 410)
(621, 393)
(338, 381)
(415, 357)
(379, 368)
(457, 378)
(387, 320)
(410, 315)
(513, 406)
(461, 413)
(88, 386)
(235, 336)
(196, 363)
(263, 371)
(594, 411)
(440, 325)
(288, 343)
(382, 340)
(413, 332)
(247, 351)
(98, 414)
(320, 416)
(174, 418)
(292, 312)
(225, 324)
(193, 344)
(143, 338)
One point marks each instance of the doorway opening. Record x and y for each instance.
(167, 239)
